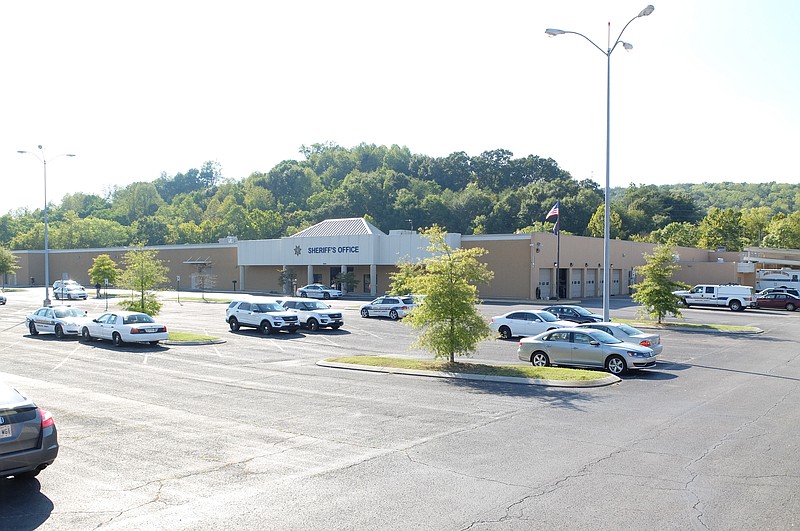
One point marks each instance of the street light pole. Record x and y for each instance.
(607, 224)
(43, 160)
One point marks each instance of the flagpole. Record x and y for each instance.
(558, 255)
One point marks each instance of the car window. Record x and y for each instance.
(61, 313)
(408, 300)
(390, 301)
(558, 336)
(602, 337)
(583, 338)
(547, 316)
(631, 331)
(533, 317)
(245, 306)
(514, 315)
(582, 311)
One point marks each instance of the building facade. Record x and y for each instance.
(526, 266)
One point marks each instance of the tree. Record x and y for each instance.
(143, 272)
(348, 281)
(8, 263)
(654, 293)
(104, 269)
(450, 322)
(721, 228)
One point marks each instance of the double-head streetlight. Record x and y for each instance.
(607, 228)
(43, 160)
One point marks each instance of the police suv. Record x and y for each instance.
(262, 313)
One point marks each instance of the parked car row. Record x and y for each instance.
(116, 326)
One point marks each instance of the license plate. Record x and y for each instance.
(5, 431)
(150, 330)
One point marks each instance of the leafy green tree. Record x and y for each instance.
(347, 280)
(450, 322)
(721, 228)
(8, 263)
(141, 274)
(654, 293)
(754, 224)
(104, 269)
(596, 225)
(682, 234)
(784, 232)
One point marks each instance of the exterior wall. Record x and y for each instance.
(510, 259)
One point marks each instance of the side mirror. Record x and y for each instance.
(594, 343)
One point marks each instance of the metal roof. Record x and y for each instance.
(340, 227)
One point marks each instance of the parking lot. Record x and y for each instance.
(252, 434)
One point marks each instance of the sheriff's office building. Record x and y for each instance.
(526, 266)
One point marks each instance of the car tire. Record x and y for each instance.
(116, 338)
(326, 295)
(32, 328)
(505, 332)
(303, 294)
(233, 322)
(59, 331)
(265, 327)
(154, 343)
(364, 312)
(335, 327)
(791, 307)
(393, 315)
(540, 359)
(735, 306)
(616, 365)
(312, 324)
(85, 335)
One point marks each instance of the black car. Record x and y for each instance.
(28, 438)
(576, 314)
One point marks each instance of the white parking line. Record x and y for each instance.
(76, 349)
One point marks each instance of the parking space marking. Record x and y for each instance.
(68, 356)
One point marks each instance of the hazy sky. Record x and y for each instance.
(708, 93)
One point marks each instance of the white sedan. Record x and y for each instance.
(125, 327)
(318, 291)
(629, 334)
(524, 323)
(59, 320)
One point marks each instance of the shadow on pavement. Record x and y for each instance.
(22, 504)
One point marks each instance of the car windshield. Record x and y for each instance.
(69, 312)
(267, 307)
(631, 331)
(137, 318)
(582, 311)
(603, 337)
(547, 316)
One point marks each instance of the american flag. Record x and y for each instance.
(553, 211)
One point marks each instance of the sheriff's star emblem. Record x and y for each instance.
(297, 250)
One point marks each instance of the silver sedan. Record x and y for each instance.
(583, 347)
(628, 333)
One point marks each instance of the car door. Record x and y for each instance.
(47, 319)
(531, 325)
(108, 323)
(584, 352)
(386, 305)
(559, 347)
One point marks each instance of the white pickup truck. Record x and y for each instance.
(734, 296)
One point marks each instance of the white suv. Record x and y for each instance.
(313, 314)
(262, 313)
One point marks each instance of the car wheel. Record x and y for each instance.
(540, 359)
(233, 323)
(505, 332)
(393, 315)
(117, 339)
(303, 294)
(616, 365)
(326, 295)
(790, 306)
(32, 328)
(312, 325)
(265, 328)
(735, 306)
(59, 331)
(364, 312)
(85, 335)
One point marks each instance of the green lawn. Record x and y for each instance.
(680, 324)
(521, 371)
(188, 336)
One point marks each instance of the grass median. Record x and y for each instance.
(518, 371)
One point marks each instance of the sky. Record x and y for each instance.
(136, 89)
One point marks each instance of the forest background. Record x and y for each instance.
(491, 193)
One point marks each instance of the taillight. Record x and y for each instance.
(47, 418)
(645, 342)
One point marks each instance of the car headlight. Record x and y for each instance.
(634, 354)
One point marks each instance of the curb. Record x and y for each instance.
(696, 330)
(608, 380)
(193, 343)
